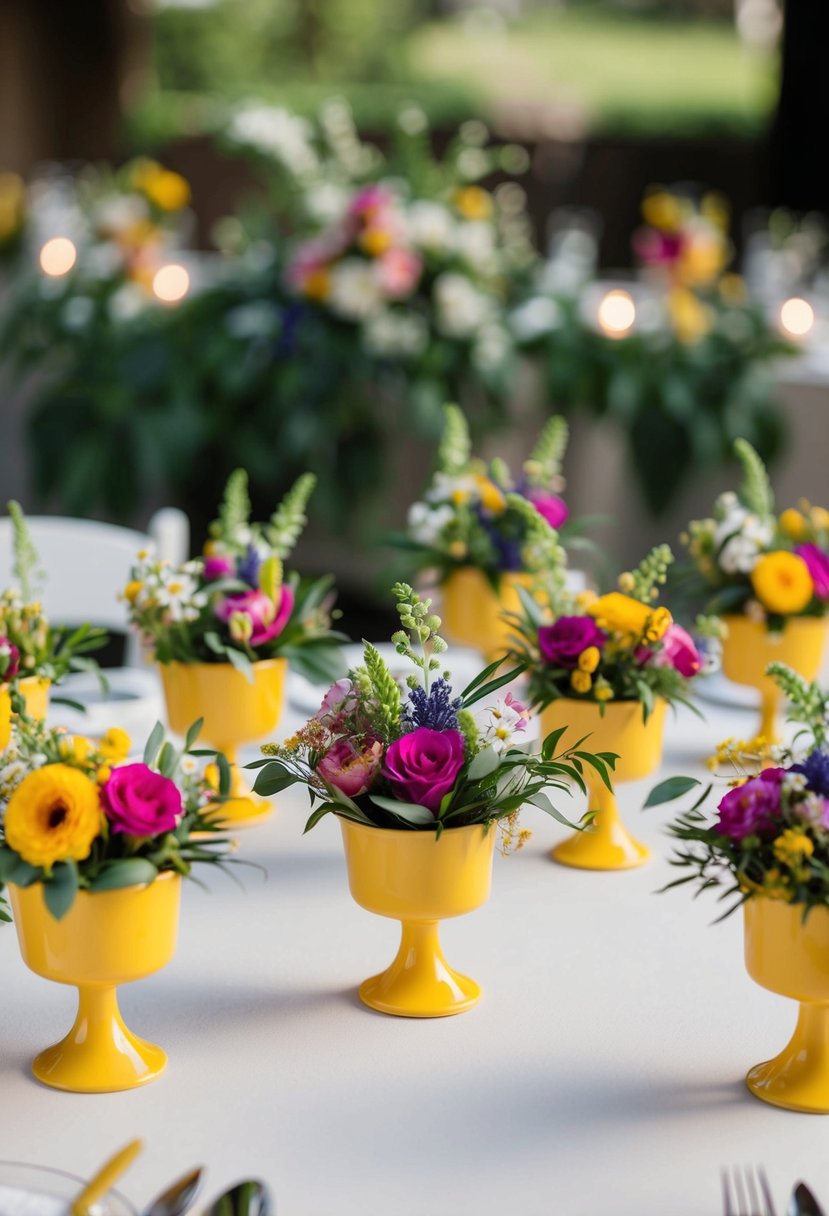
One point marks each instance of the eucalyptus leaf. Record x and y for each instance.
(483, 764)
(127, 872)
(153, 744)
(670, 789)
(411, 812)
(60, 889)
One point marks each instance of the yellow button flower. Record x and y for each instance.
(74, 748)
(792, 846)
(820, 518)
(115, 744)
(53, 815)
(492, 497)
(589, 659)
(603, 692)
(782, 582)
(132, 590)
(581, 681)
(793, 523)
(624, 615)
(473, 203)
(375, 241)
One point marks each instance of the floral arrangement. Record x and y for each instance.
(422, 761)
(476, 514)
(77, 814)
(29, 645)
(749, 560)
(622, 646)
(771, 835)
(236, 604)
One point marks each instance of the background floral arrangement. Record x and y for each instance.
(622, 646)
(77, 815)
(771, 836)
(29, 645)
(475, 513)
(422, 762)
(235, 604)
(747, 559)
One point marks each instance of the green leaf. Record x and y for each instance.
(484, 690)
(60, 889)
(273, 779)
(483, 764)
(193, 733)
(14, 869)
(153, 744)
(550, 744)
(410, 812)
(225, 776)
(167, 759)
(670, 789)
(128, 872)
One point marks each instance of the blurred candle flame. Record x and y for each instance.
(171, 283)
(58, 256)
(617, 313)
(797, 317)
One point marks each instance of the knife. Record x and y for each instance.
(803, 1202)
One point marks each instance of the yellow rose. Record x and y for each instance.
(581, 681)
(53, 815)
(793, 523)
(624, 615)
(589, 659)
(115, 744)
(782, 582)
(473, 203)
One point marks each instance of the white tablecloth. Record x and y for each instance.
(601, 1073)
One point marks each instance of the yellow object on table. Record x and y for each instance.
(35, 692)
(473, 610)
(105, 1178)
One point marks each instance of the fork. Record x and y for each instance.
(747, 1186)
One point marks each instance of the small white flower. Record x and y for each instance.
(461, 308)
(355, 291)
(475, 243)
(427, 523)
(179, 594)
(492, 347)
(448, 487)
(393, 333)
(127, 303)
(738, 555)
(536, 317)
(78, 312)
(278, 133)
(431, 226)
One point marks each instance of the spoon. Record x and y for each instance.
(803, 1202)
(251, 1198)
(106, 1176)
(178, 1197)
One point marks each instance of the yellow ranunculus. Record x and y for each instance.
(375, 241)
(663, 210)
(115, 744)
(624, 615)
(317, 284)
(793, 523)
(473, 203)
(167, 190)
(792, 846)
(581, 681)
(74, 748)
(691, 318)
(492, 497)
(782, 582)
(53, 815)
(589, 659)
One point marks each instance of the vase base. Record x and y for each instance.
(791, 1082)
(126, 1062)
(587, 852)
(238, 813)
(406, 996)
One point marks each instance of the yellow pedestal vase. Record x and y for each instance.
(235, 711)
(472, 610)
(35, 692)
(749, 648)
(106, 938)
(792, 959)
(420, 881)
(607, 844)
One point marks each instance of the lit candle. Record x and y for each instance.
(797, 317)
(58, 256)
(171, 283)
(617, 313)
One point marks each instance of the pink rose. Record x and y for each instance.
(818, 564)
(350, 770)
(399, 271)
(423, 765)
(218, 567)
(140, 802)
(9, 660)
(678, 651)
(550, 507)
(267, 619)
(337, 702)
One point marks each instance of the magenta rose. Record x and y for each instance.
(140, 802)
(562, 643)
(550, 507)
(9, 659)
(350, 770)
(422, 766)
(752, 808)
(678, 651)
(818, 564)
(266, 618)
(218, 567)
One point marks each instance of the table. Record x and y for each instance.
(601, 1073)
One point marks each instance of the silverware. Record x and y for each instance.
(178, 1197)
(746, 1192)
(251, 1198)
(803, 1202)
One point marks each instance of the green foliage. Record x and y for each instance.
(650, 574)
(755, 492)
(808, 704)
(289, 518)
(550, 448)
(455, 444)
(25, 554)
(420, 628)
(235, 509)
(382, 691)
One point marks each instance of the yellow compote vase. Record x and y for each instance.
(235, 711)
(106, 938)
(792, 959)
(420, 881)
(607, 844)
(472, 609)
(35, 692)
(749, 647)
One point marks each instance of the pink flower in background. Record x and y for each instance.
(268, 619)
(348, 769)
(218, 567)
(140, 802)
(678, 651)
(562, 642)
(550, 506)
(657, 248)
(399, 271)
(423, 765)
(370, 200)
(337, 704)
(753, 807)
(10, 655)
(818, 564)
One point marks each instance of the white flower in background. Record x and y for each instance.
(461, 308)
(426, 523)
(491, 347)
(740, 536)
(128, 302)
(534, 318)
(412, 120)
(258, 319)
(506, 719)
(276, 132)
(472, 164)
(326, 202)
(393, 333)
(179, 594)
(113, 215)
(354, 291)
(102, 261)
(451, 487)
(431, 226)
(12, 773)
(475, 243)
(77, 312)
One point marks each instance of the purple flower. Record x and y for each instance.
(218, 567)
(818, 564)
(249, 566)
(752, 808)
(422, 766)
(348, 769)
(815, 768)
(562, 643)
(550, 507)
(437, 710)
(9, 659)
(140, 802)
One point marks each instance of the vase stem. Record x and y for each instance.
(768, 713)
(798, 1078)
(606, 844)
(420, 983)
